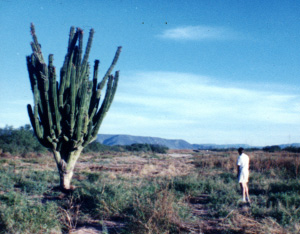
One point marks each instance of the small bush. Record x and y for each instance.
(154, 213)
(186, 184)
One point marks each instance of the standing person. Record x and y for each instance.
(243, 173)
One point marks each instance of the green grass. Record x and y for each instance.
(19, 214)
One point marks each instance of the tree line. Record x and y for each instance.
(22, 141)
(277, 148)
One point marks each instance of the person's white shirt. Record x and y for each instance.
(243, 162)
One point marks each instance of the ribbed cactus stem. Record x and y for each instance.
(73, 100)
(72, 33)
(35, 45)
(65, 116)
(114, 62)
(88, 49)
(53, 95)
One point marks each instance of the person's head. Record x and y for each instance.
(240, 150)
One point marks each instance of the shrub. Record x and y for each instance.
(96, 147)
(102, 199)
(292, 149)
(159, 149)
(19, 141)
(147, 148)
(154, 212)
(189, 185)
(273, 148)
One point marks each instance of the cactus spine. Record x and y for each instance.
(67, 115)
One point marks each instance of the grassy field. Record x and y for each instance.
(178, 192)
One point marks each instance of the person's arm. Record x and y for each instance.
(238, 163)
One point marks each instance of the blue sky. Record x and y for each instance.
(203, 71)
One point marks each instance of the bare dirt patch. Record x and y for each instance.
(96, 227)
(135, 166)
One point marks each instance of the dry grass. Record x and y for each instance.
(133, 166)
(157, 211)
(263, 162)
(242, 222)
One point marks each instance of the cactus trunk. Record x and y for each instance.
(65, 162)
(67, 115)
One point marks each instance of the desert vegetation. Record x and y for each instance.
(66, 115)
(121, 191)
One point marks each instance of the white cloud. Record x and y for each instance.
(200, 33)
(188, 106)
(189, 96)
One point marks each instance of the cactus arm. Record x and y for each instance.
(82, 108)
(78, 58)
(34, 118)
(95, 76)
(87, 51)
(65, 74)
(107, 104)
(30, 69)
(71, 35)
(104, 79)
(35, 123)
(70, 57)
(80, 39)
(46, 102)
(72, 42)
(73, 100)
(36, 46)
(53, 95)
(102, 112)
(63, 77)
(117, 54)
(114, 88)
(33, 47)
(89, 136)
(87, 106)
(94, 100)
(38, 128)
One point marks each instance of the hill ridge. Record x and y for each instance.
(124, 139)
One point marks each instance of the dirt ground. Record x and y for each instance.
(171, 164)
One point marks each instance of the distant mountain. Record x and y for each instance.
(108, 139)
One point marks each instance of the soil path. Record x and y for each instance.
(205, 224)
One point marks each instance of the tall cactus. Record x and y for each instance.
(67, 115)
